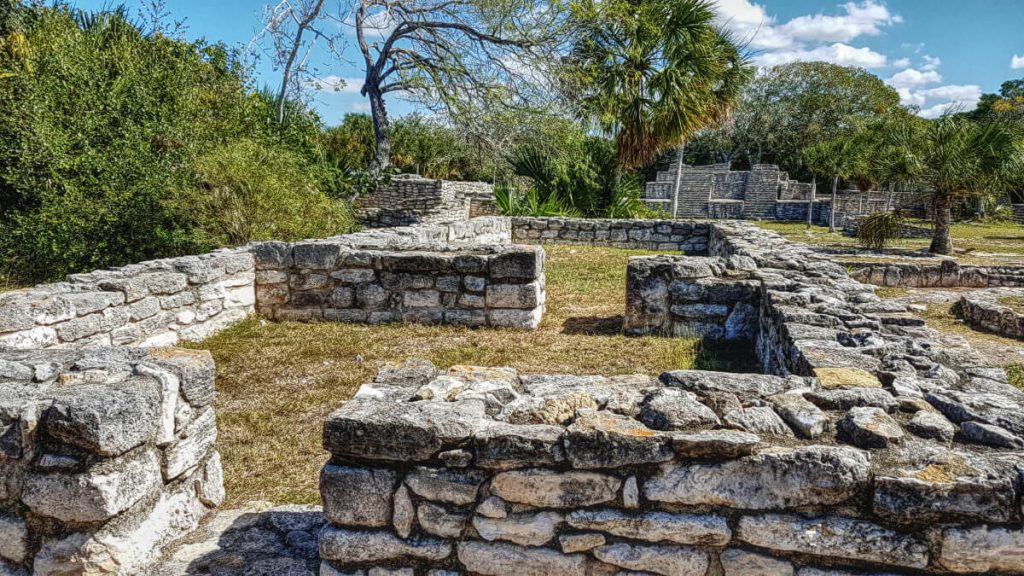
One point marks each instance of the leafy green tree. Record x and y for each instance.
(791, 107)
(960, 158)
(651, 73)
(842, 158)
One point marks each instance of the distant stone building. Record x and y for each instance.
(411, 199)
(763, 193)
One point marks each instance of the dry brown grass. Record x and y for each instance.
(277, 382)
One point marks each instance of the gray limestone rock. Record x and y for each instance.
(806, 418)
(439, 521)
(666, 560)
(983, 549)
(847, 398)
(870, 428)
(704, 530)
(444, 485)
(814, 475)
(403, 514)
(571, 543)
(759, 420)
(671, 409)
(834, 537)
(550, 489)
(105, 419)
(714, 443)
(504, 446)
(495, 559)
(990, 435)
(742, 385)
(736, 562)
(602, 439)
(357, 496)
(352, 546)
(526, 529)
(932, 425)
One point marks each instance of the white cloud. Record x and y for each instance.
(864, 19)
(1017, 62)
(837, 53)
(931, 62)
(336, 84)
(911, 78)
(910, 98)
(751, 24)
(939, 110)
(361, 106)
(967, 94)
(901, 63)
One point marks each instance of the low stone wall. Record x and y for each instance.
(106, 456)
(1018, 213)
(872, 445)
(325, 280)
(947, 274)
(154, 303)
(983, 309)
(410, 199)
(714, 298)
(682, 236)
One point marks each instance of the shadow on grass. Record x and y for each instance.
(594, 325)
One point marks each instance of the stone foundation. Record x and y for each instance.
(947, 274)
(154, 303)
(982, 309)
(410, 199)
(871, 445)
(714, 298)
(674, 235)
(106, 456)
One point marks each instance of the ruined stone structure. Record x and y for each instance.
(1018, 213)
(945, 274)
(871, 445)
(983, 309)
(410, 199)
(762, 193)
(106, 456)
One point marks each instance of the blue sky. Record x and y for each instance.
(937, 53)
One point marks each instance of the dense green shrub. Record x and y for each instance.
(258, 192)
(878, 230)
(101, 130)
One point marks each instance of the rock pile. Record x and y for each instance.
(985, 310)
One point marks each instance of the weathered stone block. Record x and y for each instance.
(704, 530)
(508, 559)
(550, 489)
(105, 419)
(666, 560)
(357, 496)
(359, 547)
(982, 549)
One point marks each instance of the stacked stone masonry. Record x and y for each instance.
(871, 445)
(763, 193)
(410, 199)
(985, 309)
(154, 303)
(672, 235)
(945, 274)
(463, 274)
(106, 456)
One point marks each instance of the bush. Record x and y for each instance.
(878, 230)
(257, 192)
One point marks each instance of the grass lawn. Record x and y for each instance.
(998, 243)
(278, 381)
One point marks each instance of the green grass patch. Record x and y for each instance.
(278, 381)
(1015, 372)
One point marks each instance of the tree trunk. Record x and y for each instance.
(379, 112)
(832, 211)
(679, 179)
(942, 207)
(810, 205)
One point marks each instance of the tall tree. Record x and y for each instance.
(960, 158)
(447, 52)
(794, 106)
(651, 73)
(836, 159)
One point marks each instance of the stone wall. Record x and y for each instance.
(871, 445)
(154, 303)
(984, 310)
(410, 199)
(1018, 213)
(332, 281)
(106, 456)
(689, 237)
(946, 274)
(714, 298)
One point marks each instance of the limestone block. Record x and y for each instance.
(105, 419)
(506, 446)
(571, 543)
(357, 547)
(666, 560)
(443, 485)
(983, 549)
(834, 537)
(550, 489)
(736, 562)
(13, 539)
(99, 493)
(814, 475)
(526, 529)
(512, 318)
(439, 521)
(671, 409)
(526, 296)
(870, 428)
(697, 529)
(806, 418)
(497, 559)
(189, 451)
(357, 496)
(404, 513)
(602, 439)
(714, 443)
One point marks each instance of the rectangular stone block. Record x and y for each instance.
(526, 296)
(188, 452)
(357, 496)
(105, 419)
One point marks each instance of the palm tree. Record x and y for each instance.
(961, 158)
(840, 158)
(651, 73)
